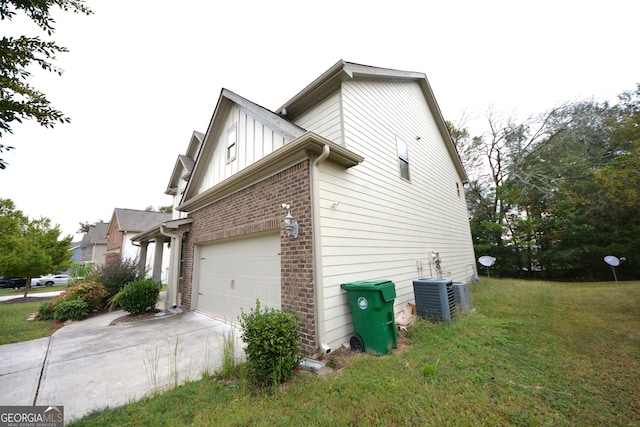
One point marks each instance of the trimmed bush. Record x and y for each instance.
(115, 274)
(45, 311)
(74, 309)
(273, 349)
(93, 293)
(137, 296)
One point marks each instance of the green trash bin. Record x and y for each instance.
(374, 323)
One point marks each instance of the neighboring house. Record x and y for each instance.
(360, 161)
(94, 244)
(76, 251)
(126, 223)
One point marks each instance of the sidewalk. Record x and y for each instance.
(30, 294)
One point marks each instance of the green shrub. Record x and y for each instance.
(45, 311)
(93, 293)
(273, 349)
(137, 296)
(117, 273)
(74, 309)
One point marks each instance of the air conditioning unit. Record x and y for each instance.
(462, 292)
(435, 299)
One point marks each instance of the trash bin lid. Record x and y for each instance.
(386, 287)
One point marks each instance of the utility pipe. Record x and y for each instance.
(317, 250)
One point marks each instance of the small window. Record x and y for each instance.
(403, 157)
(232, 143)
(458, 188)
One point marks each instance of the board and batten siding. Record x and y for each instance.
(377, 225)
(254, 140)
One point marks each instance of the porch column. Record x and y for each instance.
(142, 262)
(174, 276)
(157, 260)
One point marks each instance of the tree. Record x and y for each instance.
(18, 99)
(85, 226)
(30, 248)
(3, 148)
(501, 212)
(552, 197)
(162, 209)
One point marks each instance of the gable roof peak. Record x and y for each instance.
(332, 79)
(133, 220)
(342, 71)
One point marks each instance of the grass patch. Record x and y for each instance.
(13, 323)
(14, 326)
(532, 354)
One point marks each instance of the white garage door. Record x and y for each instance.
(234, 273)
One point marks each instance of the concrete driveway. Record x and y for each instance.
(89, 364)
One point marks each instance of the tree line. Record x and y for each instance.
(549, 197)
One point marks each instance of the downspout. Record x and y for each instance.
(175, 262)
(317, 250)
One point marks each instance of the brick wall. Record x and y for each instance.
(115, 243)
(256, 209)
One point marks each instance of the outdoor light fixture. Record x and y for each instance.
(290, 226)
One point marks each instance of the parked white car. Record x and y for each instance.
(55, 279)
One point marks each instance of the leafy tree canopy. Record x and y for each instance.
(18, 99)
(30, 248)
(162, 209)
(85, 226)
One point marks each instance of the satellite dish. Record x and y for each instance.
(487, 260)
(612, 261)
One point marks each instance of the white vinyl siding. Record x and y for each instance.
(254, 140)
(129, 250)
(377, 226)
(324, 119)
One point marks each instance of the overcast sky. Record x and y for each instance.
(141, 76)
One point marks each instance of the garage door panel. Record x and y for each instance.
(233, 274)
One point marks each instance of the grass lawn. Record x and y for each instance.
(14, 326)
(532, 354)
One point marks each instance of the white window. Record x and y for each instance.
(232, 143)
(403, 157)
